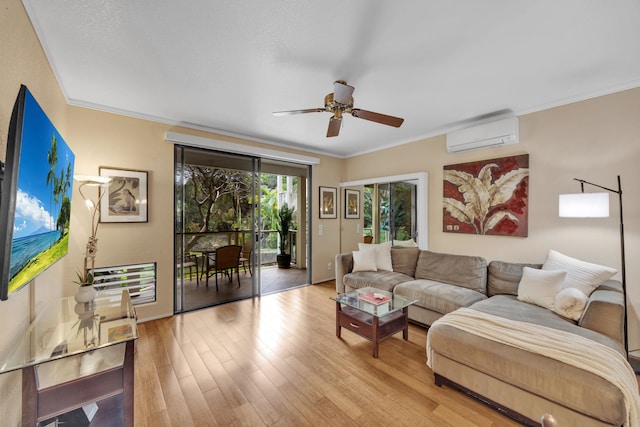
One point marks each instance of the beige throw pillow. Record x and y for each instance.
(539, 286)
(383, 254)
(581, 275)
(364, 260)
(570, 303)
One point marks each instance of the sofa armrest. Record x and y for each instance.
(604, 312)
(344, 265)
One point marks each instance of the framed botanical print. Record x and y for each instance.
(125, 199)
(489, 197)
(328, 202)
(351, 204)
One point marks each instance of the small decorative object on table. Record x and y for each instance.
(86, 292)
(375, 298)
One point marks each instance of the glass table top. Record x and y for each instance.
(66, 328)
(373, 301)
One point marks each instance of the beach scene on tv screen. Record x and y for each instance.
(43, 198)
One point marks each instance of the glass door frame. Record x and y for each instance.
(179, 222)
(422, 202)
(304, 225)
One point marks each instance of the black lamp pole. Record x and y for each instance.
(623, 272)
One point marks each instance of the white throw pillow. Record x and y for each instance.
(539, 286)
(364, 260)
(581, 275)
(570, 302)
(405, 243)
(383, 254)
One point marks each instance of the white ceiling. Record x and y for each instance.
(226, 66)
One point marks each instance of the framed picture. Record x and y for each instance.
(328, 196)
(489, 197)
(125, 199)
(351, 204)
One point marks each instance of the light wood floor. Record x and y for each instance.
(275, 361)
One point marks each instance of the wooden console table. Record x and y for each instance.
(74, 355)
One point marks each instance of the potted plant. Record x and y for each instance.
(283, 224)
(86, 292)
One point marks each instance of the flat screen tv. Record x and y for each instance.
(35, 199)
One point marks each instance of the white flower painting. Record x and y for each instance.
(487, 197)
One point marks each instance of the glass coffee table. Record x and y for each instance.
(372, 314)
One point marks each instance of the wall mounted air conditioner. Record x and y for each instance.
(490, 134)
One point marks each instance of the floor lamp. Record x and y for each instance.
(596, 205)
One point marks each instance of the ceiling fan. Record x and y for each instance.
(340, 102)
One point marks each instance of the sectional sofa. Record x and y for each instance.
(567, 360)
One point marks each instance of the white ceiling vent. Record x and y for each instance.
(485, 135)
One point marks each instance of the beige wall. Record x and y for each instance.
(103, 139)
(594, 140)
(23, 62)
(111, 140)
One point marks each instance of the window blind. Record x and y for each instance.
(138, 279)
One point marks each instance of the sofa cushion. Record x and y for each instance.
(539, 375)
(404, 260)
(504, 277)
(384, 280)
(581, 275)
(540, 287)
(383, 254)
(461, 270)
(364, 260)
(570, 303)
(437, 296)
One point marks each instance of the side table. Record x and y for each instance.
(372, 318)
(77, 354)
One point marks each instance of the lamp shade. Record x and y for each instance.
(92, 180)
(584, 205)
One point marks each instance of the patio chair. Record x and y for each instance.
(187, 265)
(245, 257)
(227, 259)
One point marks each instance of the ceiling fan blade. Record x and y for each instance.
(292, 112)
(342, 92)
(334, 126)
(377, 117)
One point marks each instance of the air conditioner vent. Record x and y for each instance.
(486, 135)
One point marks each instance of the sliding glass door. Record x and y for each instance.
(216, 210)
(390, 211)
(224, 200)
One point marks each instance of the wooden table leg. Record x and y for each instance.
(375, 336)
(405, 331)
(128, 383)
(338, 328)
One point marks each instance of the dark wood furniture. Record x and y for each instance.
(374, 322)
(227, 259)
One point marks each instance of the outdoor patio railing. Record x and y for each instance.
(194, 242)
